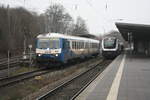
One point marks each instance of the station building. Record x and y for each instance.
(137, 35)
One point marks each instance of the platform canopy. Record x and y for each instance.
(138, 31)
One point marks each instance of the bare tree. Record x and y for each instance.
(80, 27)
(58, 19)
(15, 23)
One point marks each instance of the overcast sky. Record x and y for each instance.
(94, 12)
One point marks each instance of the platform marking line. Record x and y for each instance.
(91, 87)
(113, 93)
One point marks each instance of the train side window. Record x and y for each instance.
(86, 45)
(71, 44)
(66, 44)
(92, 45)
(78, 45)
(83, 45)
(75, 45)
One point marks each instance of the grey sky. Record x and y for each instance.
(98, 18)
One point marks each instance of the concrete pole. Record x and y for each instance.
(8, 64)
(30, 47)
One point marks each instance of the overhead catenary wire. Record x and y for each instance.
(105, 17)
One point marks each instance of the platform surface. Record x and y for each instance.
(126, 78)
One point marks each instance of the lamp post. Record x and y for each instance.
(24, 42)
(8, 71)
(30, 48)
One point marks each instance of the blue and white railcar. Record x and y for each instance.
(56, 47)
(110, 47)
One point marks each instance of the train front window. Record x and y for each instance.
(54, 44)
(109, 43)
(43, 43)
(48, 43)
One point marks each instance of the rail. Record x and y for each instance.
(71, 88)
(13, 62)
(18, 78)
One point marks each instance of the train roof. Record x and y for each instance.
(110, 37)
(58, 35)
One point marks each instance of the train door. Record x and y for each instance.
(66, 50)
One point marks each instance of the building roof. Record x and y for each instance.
(139, 31)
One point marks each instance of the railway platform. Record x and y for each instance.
(126, 78)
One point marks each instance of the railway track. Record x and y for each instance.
(70, 89)
(18, 78)
(13, 62)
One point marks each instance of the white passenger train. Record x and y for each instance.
(111, 47)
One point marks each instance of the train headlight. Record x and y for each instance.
(39, 54)
(56, 55)
(24, 57)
